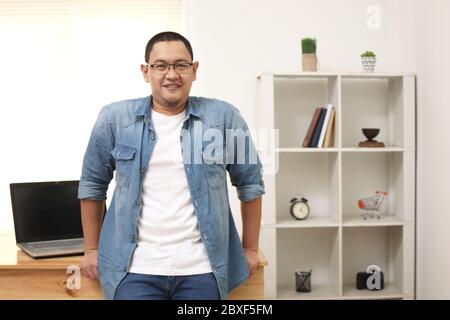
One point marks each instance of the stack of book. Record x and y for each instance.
(321, 129)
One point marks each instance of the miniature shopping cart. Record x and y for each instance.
(372, 205)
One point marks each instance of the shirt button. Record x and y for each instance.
(142, 171)
(138, 203)
(132, 237)
(152, 137)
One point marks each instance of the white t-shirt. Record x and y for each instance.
(169, 240)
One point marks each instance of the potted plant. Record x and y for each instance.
(309, 57)
(368, 59)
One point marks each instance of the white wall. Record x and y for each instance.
(235, 39)
(433, 162)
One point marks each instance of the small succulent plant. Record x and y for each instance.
(368, 54)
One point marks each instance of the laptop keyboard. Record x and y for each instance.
(56, 244)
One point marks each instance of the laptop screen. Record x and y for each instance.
(46, 211)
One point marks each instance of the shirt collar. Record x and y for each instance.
(143, 110)
(192, 109)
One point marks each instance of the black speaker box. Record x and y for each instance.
(361, 280)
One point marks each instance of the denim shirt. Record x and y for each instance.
(123, 139)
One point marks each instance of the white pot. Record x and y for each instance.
(369, 63)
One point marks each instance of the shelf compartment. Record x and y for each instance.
(389, 292)
(387, 149)
(318, 292)
(316, 177)
(296, 100)
(311, 222)
(305, 249)
(372, 103)
(357, 221)
(346, 150)
(381, 246)
(364, 173)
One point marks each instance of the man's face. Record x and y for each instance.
(172, 88)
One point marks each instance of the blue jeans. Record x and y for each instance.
(136, 286)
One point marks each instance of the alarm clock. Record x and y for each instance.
(299, 208)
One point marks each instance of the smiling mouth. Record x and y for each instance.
(172, 86)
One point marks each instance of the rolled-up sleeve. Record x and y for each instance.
(243, 163)
(98, 163)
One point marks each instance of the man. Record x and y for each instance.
(169, 232)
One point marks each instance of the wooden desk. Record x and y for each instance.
(22, 277)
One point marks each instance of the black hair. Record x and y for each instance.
(167, 36)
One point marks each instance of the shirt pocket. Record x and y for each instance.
(213, 155)
(214, 166)
(124, 156)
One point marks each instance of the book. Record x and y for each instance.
(317, 131)
(325, 126)
(312, 126)
(328, 142)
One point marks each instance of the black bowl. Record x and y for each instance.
(370, 133)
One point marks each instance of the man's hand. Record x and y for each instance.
(252, 259)
(89, 265)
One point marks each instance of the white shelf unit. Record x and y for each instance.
(335, 241)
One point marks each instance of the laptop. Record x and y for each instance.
(47, 218)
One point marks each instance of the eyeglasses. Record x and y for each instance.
(163, 68)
